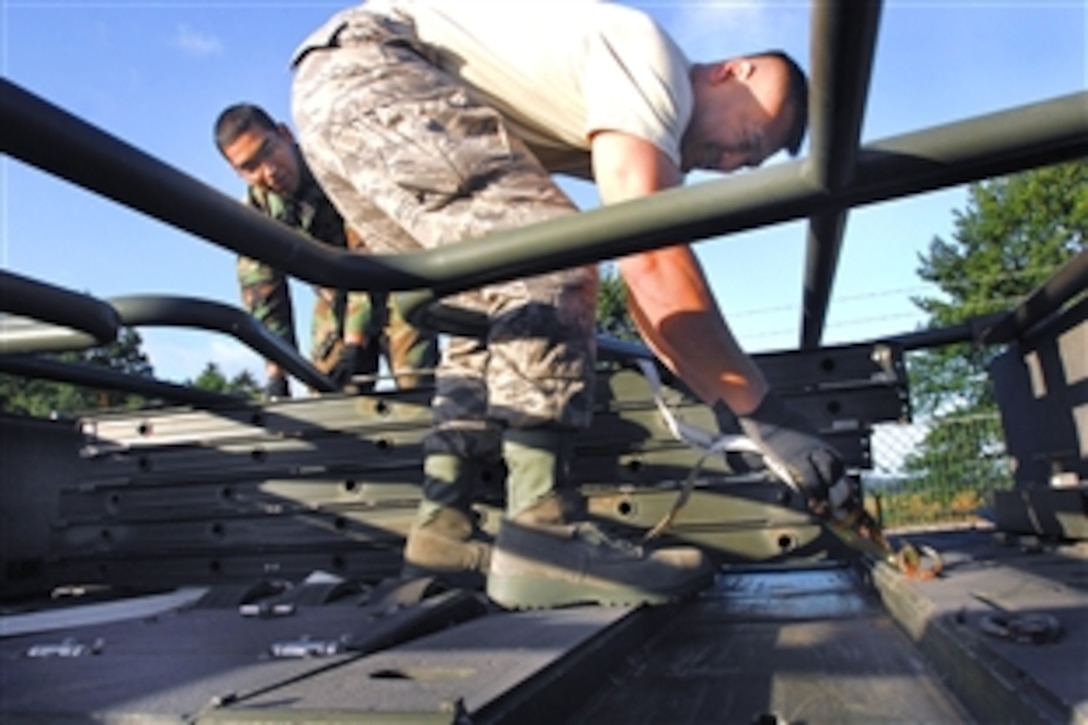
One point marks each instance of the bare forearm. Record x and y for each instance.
(676, 313)
(669, 297)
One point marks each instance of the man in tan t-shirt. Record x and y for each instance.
(470, 107)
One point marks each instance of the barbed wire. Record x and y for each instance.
(898, 291)
(838, 300)
(777, 309)
(837, 325)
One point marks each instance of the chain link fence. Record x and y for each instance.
(939, 471)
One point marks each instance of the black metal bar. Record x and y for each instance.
(53, 140)
(168, 311)
(422, 310)
(101, 378)
(1013, 140)
(956, 153)
(999, 143)
(21, 295)
(20, 335)
(843, 42)
(948, 155)
(823, 245)
(1070, 280)
(161, 310)
(970, 331)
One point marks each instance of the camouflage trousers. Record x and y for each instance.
(411, 353)
(412, 161)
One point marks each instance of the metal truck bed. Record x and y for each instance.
(832, 642)
(284, 522)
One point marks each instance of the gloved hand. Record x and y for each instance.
(815, 468)
(276, 387)
(347, 365)
(737, 461)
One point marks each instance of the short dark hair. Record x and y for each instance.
(238, 119)
(796, 96)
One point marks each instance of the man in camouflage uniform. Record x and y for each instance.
(349, 331)
(470, 106)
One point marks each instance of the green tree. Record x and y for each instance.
(1012, 236)
(245, 384)
(44, 398)
(613, 318)
(1015, 232)
(212, 378)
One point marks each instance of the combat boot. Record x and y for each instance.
(546, 556)
(445, 541)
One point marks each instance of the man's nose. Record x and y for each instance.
(267, 172)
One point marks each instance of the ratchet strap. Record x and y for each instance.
(856, 528)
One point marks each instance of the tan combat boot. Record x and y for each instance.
(543, 558)
(445, 542)
(450, 547)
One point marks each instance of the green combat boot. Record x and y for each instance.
(541, 559)
(445, 541)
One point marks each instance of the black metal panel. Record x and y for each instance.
(1041, 387)
(508, 667)
(178, 665)
(853, 408)
(1049, 513)
(843, 389)
(166, 570)
(203, 496)
(37, 459)
(831, 367)
(999, 678)
(296, 418)
(776, 647)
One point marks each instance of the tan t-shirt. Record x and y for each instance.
(561, 71)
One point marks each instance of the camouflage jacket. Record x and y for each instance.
(265, 291)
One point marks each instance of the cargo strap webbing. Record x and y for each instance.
(708, 443)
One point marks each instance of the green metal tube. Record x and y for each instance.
(843, 41)
(21, 295)
(944, 156)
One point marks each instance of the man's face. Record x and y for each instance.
(741, 117)
(266, 159)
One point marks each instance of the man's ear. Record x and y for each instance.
(739, 68)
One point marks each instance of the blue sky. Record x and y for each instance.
(157, 73)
